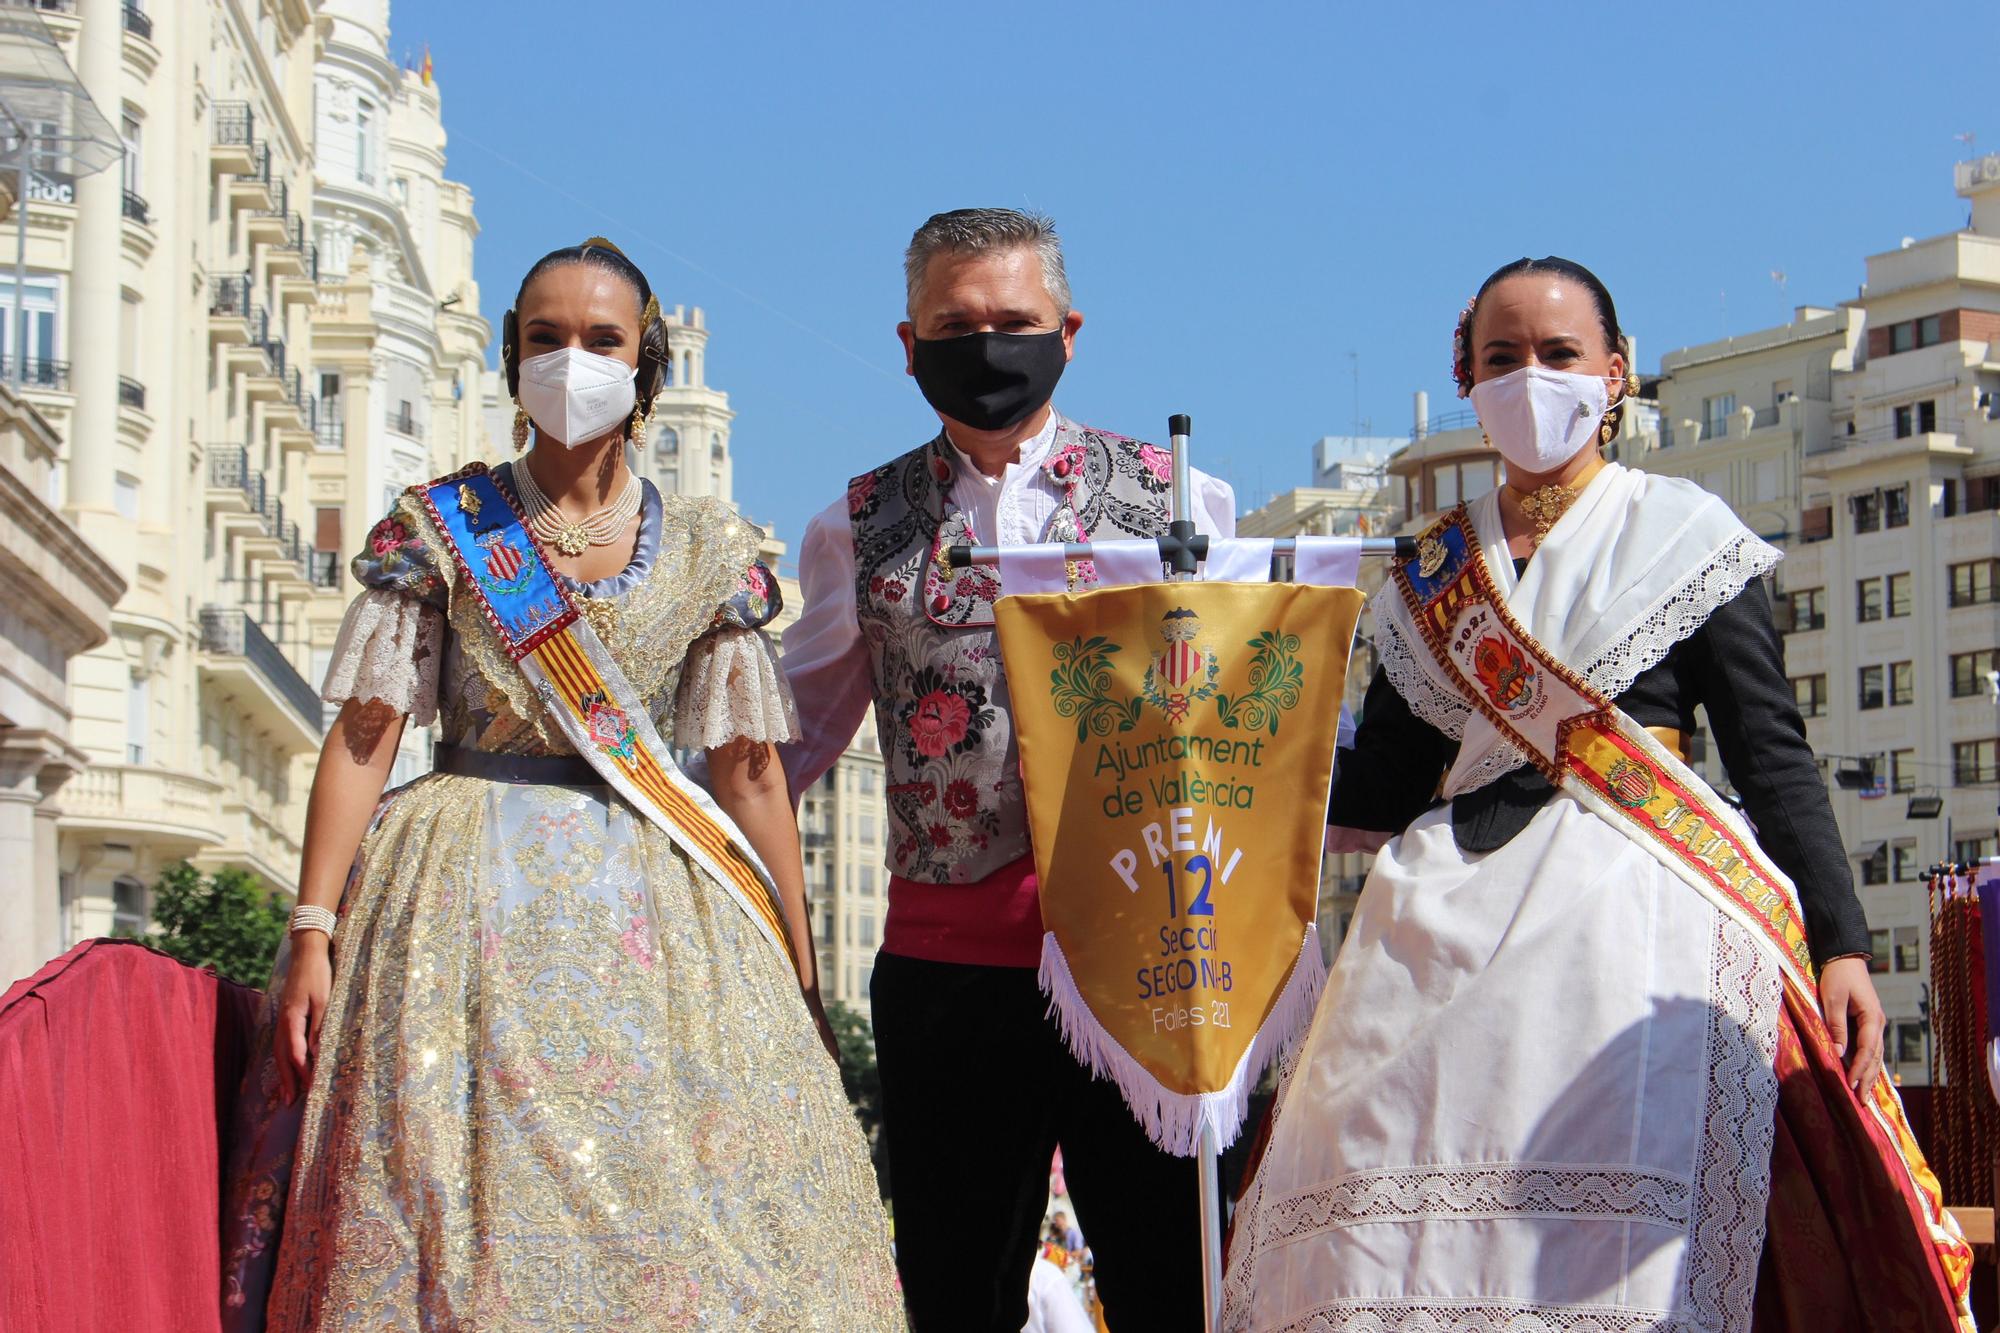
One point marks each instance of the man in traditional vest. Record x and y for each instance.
(977, 1087)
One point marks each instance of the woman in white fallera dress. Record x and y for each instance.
(1548, 1081)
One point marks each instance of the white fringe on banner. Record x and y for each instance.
(1174, 1120)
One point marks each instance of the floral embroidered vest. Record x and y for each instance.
(956, 812)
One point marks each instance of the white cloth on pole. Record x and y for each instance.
(1238, 560)
(1121, 563)
(1330, 562)
(1030, 569)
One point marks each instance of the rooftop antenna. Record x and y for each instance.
(1778, 276)
(1966, 137)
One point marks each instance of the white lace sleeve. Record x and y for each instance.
(389, 648)
(731, 688)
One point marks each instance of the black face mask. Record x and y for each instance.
(989, 381)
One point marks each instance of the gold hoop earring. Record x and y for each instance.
(520, 429)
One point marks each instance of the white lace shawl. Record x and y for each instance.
(1637, 564)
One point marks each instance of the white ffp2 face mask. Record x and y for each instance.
(572, 395)
(1539, 419)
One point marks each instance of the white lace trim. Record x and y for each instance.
(388, 649)
(1470, 1190)
(1645, 642)
(1733, 1169)
(1426, 698)
(1722, 1209)
(732, 688)
(1370, 1315)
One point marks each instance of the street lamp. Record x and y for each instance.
(1855, 774)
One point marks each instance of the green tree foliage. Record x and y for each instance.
(861, 1080)
(228, 921)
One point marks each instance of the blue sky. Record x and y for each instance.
(1248, 193)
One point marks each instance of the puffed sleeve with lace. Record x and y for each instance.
(392, 640)
(731, 687)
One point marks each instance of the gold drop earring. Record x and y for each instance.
(638, 427)
(520, 429)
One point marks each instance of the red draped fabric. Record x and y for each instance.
(1850, 1243)
(117, 1069)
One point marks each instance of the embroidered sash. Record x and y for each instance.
(1584, 744)
(583, 689)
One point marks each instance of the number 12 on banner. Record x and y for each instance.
(1200, 906)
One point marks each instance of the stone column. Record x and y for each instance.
(32, 767)
(93, 312)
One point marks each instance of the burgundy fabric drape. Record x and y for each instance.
(117, 1068)
(1849, 1247)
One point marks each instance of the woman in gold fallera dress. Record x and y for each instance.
(555, 1066)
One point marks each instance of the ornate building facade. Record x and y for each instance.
(175, 416)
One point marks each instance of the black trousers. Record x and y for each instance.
(977, 1091)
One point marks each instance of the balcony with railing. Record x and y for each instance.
(251, 187)
(294, 265)
(39, 373)
(270, 224)
(240, 658)
(266, 382)
(232, 138)
(136, 210)
(1460, 419)
(231, 299)
(138, 22)
(131, 393)
(159, 805)
(404, 422)
(234, 487)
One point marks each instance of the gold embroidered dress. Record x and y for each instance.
(563, 1081)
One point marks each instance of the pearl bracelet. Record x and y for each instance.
(307, 917)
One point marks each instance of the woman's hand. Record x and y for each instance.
(1847, 998)
(308, 980)
(817, 1007)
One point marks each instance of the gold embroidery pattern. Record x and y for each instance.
(561, 1085)
(563, 1082)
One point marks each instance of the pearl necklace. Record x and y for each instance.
(573, 538)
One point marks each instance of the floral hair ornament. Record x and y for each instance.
(1461, 359)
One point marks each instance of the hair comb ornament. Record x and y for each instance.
(1461, 354)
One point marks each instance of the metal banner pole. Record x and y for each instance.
(1182, 550)
(1181, 566)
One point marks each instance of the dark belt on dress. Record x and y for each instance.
(533, 770)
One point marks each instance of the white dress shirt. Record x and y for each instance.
(825, 659)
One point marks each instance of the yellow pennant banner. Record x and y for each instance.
(1177, 748)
